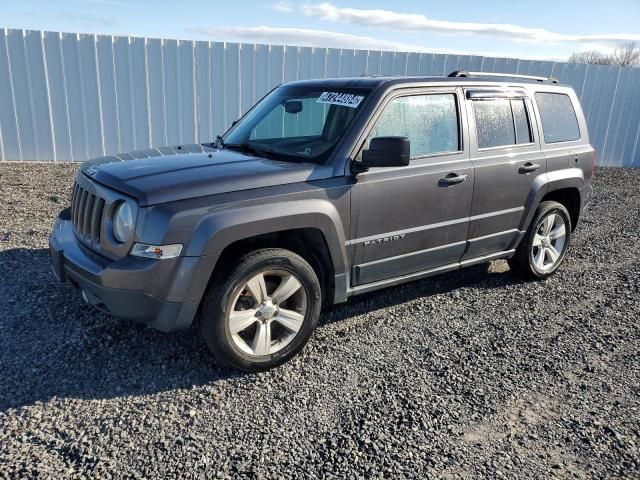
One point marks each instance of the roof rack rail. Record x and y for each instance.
(462, 73)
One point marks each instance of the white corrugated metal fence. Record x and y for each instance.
(70, 97)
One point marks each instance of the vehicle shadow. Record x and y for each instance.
(53, 345)
(484, 276)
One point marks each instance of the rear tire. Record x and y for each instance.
(544, 246)
(262, 311)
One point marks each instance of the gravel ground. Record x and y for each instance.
(470, 374)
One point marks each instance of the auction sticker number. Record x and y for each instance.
(343, 99)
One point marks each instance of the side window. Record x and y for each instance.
(559, 122)
(501, 122)
(429, 121)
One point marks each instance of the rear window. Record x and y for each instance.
(559, 121)
(501, 123)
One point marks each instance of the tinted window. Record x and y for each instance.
(429, 121)
(521, 122)
(501, 122)
(559, 122)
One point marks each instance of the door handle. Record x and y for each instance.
(529, 167)
(452, 179)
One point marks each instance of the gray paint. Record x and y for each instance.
(150, 175)
(70, 97)
(471, 224)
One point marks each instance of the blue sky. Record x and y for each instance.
(528, 29)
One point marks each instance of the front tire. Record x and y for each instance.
(545, 244)
(262, 312)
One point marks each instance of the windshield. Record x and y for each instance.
(303, 123)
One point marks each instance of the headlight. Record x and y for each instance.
(123, 222)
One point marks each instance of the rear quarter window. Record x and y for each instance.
(559, 121)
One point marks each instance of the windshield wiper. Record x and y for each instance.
(249, 148)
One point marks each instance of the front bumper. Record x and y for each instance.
(138, 289)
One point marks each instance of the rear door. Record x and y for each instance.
(508, 162)
(414, 218)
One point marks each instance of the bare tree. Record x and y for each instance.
(626, 55)
(592, 57)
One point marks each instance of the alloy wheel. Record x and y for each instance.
(267, 312)
(549, 242)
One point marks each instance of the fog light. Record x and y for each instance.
(156, 251)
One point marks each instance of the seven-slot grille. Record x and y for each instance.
(87, 209)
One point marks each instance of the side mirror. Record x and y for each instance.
(387, 152)
(293, 106)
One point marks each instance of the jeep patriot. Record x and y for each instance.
(323, 190)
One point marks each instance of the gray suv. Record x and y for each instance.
(323, 190)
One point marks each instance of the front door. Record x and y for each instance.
(414, 218)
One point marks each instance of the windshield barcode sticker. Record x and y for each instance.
(344, 99)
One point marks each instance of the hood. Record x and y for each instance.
(166, 174)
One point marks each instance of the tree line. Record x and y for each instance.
(627, 55)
